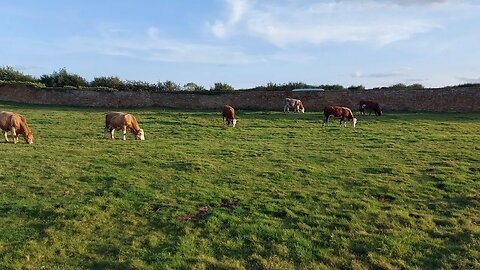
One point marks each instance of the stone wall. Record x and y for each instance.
(433, 100)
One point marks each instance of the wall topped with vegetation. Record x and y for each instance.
(452, 99)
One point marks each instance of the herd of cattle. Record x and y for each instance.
(17, 124)
(344, 113)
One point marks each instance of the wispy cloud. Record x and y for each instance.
(152, 45)
(237, 9)
(393, 73)
(292, 22)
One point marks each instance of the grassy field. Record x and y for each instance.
(278, 192)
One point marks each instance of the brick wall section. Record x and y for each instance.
(434, 100)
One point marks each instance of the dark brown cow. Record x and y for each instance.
(343, 113)
(370, 106)
(17, 124)
(228, 113)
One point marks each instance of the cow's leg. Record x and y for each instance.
(5, 135)
(325, 120)
(285, 109)
(124, 132)
(105, 132)
(14, 136)
(112, 131)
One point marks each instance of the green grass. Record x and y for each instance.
(397, 191)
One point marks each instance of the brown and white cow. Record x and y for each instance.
(295, 104)
(343, 113)
(122, 121)
(228, 113)
(371, 106)
(17, 124)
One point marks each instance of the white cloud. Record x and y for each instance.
(237, 9)
(151, 45)
(305, 22)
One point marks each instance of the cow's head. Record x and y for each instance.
(302, 109)
(28, 137)
(140, 135)
(232, 122)
(353, 121)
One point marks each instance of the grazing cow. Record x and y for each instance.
(122, 121)
(371, 106)
(296, 104)
(228, 114)
(17, 124)
(342, 112)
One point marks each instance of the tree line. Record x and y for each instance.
(66, 80)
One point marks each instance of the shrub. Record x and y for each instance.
(356, 88)
(7, 73)
(34, 84)
(469, 85)
(193, 87)
(62, 78)
(139, 86)
(398, 86)
(168, 86)
(416, 86)
(222, 87)
(108, 82)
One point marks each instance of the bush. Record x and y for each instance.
(139, 86)
(62, 78)
(7, 73)
(168, 86)
(222, 87)
(356, 88)
(416, 86)
(34, 84)
(193, 87)
(469, 85)
(108, 82)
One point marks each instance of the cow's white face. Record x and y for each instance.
(302, 110)
(354, 122)
(233, 122)
(141, 135)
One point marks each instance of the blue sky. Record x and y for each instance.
(247, 43)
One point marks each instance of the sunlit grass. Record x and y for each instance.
(397, 191)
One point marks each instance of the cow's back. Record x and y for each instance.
(228, 112)
(115, 119)
(337, 111)
(7, 120)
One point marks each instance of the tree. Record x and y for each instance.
(193, 87)
(222, 87)
(168, 86)
(8, 73)
(62, 78)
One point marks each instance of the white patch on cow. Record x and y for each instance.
(141, 135)
(354, 122)
(234, 122)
